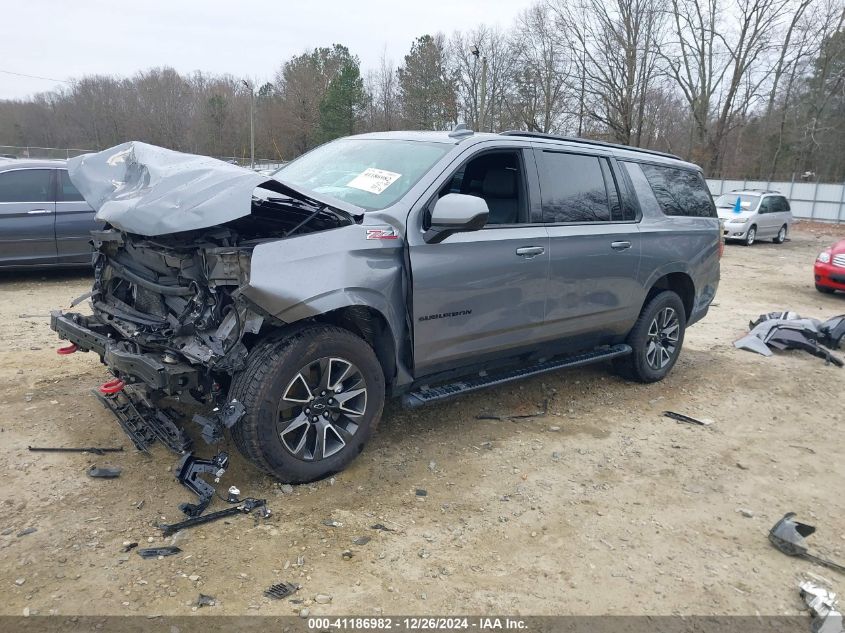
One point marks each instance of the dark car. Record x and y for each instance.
(425, 265)
(44, 221)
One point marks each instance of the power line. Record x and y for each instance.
(9, 72)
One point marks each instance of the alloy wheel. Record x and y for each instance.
(662, 338)
(321, 408)
(751, 236)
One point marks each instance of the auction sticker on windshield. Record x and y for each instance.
(373, 180)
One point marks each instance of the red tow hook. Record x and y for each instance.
(111, 387)
(70, 349)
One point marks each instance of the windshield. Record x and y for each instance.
(739, 202)
(369, 173)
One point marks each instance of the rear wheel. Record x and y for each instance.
(656, 339)
(781, 236)
(825, 290)
(750, 236)
(312, 400)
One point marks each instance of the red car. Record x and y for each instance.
(830, 269)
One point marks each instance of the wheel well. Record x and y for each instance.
(371, 326)
(679, 283)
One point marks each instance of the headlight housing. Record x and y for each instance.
(737, 220)
(824, 257)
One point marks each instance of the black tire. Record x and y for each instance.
(274, 371)
(825, 290)
(637, 365)
(780, 238)
(750, 235)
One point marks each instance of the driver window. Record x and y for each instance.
(498, 178)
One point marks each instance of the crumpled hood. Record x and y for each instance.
(149, 190)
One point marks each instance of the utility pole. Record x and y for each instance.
(482, 114)
(251, 123)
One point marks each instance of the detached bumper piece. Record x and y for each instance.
(188, 473)
(86, 334)
(143, 424)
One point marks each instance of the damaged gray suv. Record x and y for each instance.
(416, 264)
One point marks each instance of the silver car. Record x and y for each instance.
(44, 221)
(754, 214)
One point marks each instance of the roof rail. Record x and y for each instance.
(757, 190)
(586, 141)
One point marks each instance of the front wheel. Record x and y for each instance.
(656, 339)
(312, 400)
(825, 290)
(750, 236)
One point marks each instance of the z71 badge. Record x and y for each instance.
(382, 234)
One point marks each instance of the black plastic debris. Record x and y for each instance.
(281, 590)
(788, 330)
(104, 473)
(129, 547)
(188, 472)
(421, 492)
(155, 552)
(221, 419)
(94, 450)
(381, 527)
(206, 601)
(788, 536)
(244, 507)
(680, 417)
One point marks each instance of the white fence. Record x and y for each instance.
(811, 200)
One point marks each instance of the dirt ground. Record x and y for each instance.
(600, 506)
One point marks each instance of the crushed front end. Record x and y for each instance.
(168, 322)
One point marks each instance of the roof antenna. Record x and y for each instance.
(460, 130)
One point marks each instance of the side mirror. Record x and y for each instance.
(456, 213)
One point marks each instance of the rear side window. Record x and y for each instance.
(680, 192)
(572, 188)
(67, 192)
(26, 185)
(779, 204)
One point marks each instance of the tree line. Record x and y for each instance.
(746, 88)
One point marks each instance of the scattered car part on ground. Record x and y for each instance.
(155, 552)
(221, 419)
(361, 540)
(281, 590)
(823, 608)
(188, 473)
(129, 547)
(829, 269)
(205, 601)
(105, 472)
(312, 295)
(788, 536)
(141, 422)
(381, 527)
(246, 506)
(94, 450)
(680, 417)
(788, 330)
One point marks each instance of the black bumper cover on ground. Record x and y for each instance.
(144, 367)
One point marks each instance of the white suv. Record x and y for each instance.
(754, 214)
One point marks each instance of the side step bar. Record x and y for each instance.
(426, 395)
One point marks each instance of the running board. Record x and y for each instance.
(426, 395)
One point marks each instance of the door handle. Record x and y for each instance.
(620, 246)
(38, 211)
(530, 251)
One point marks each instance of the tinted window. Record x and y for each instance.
(572, 188)
(779, 204)
(680, 191)
(25, 185)
(767, 206)
(67, 192)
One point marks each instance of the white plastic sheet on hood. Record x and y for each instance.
(149, 190)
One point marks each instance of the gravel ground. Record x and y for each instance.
(599, 505)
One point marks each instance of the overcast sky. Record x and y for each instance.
(61, 39)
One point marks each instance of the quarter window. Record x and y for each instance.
(680, 192)
(572, 188)
(26, 185)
